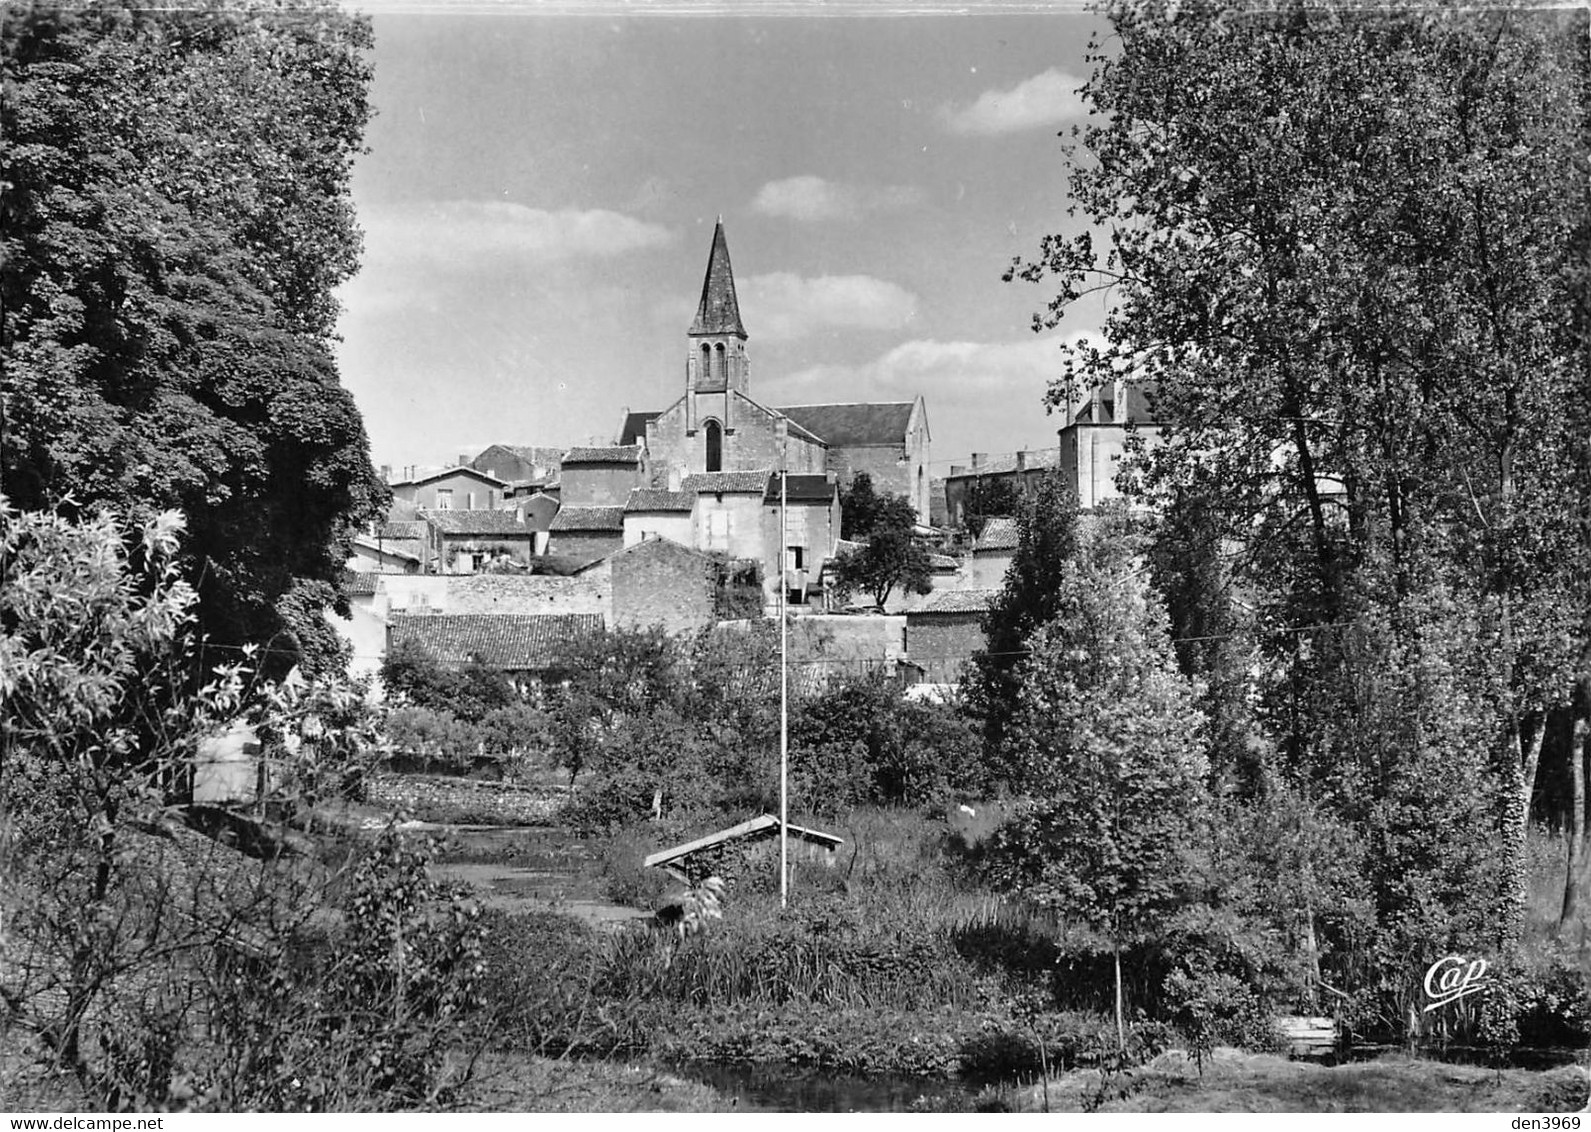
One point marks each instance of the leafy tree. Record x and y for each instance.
(891, 557)
(1361, 299)
(986, 498)
(176, 218)
(1108, 740)
(1028, 599)
(154, 965)
(864, 510)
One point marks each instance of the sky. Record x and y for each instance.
(540, 190)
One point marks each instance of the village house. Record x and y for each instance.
(463, 542)
(992, 553)
(944, 632)
(459, 488)
(525, 468)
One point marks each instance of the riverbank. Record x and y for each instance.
(1237, 1081)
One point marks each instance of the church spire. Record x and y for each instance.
(718, 312)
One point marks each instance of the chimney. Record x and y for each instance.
(464, 460)
(958, 469)
(1021, 462)
(977, 460)
(386, 473)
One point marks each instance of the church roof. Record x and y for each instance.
(718, 312)
(719, 482)
(633, 430)
(860, 425)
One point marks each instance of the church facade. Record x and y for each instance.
(716, 425)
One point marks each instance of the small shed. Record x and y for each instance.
(814, 845)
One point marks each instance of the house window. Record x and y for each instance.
(471, 498)
(444, 499)
(718, 530)
(795, 558)
(715, 447)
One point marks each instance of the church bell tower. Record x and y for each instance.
(715, 367)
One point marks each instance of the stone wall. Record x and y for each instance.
(598, 485)
(658, 582)
(493, 593)
(942, 643)
(453, 799)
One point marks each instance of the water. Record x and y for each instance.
(784, 1088)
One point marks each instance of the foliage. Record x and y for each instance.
(858, 740)
(1349, 300)
(176, 220)
(1107, 740)
(892, 557)
(986, 498)
(156, 966)
(1029, 598)
(864, 510)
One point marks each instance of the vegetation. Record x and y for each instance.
(152, 965)
(892, 555)
(177, 216)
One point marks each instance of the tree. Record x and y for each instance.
(1351, 295)
(863, 510)
(1029, 598)
(1107, 736)
(891, 557)
(154, 965)
(176, 218)
(987, 498)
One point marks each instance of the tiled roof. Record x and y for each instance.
(845, 546)
(943, 562)
(998, 534)
(855, 425)
(1002, 463)
(411, 548)
(955, 601)
(804, 487)
(411, 528)
(500, 640)
(477, 523)
(359, 583)
(650, 499)
(633, 430)
(725, 481)
(718, 312)
(611, 454)
(588, 519)
(457, 470)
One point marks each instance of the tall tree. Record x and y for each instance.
(177, 215)
(1342, 243)
(1029, 598)
(1107, 734)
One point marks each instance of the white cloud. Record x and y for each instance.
(810, 198)
(944, 372)
(1044, 100)
(464, 232)
(783, 306)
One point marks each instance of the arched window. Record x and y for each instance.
(715, 447)
(704, 375)
(720, 374)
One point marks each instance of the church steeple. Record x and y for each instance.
(717, 360)
(718, 312)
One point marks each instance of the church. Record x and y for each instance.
(703, 472)
(717, 426)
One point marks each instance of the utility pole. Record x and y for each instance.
(784, 694)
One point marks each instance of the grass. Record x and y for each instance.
(506, 1082)
(1234, 1081)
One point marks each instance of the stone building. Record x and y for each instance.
(717, 426)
